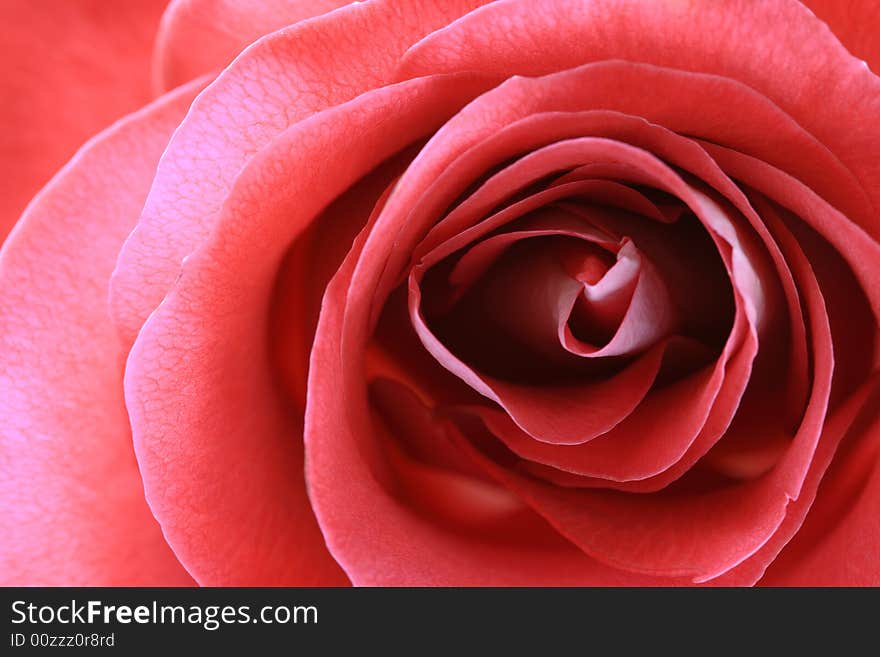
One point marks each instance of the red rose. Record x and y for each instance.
(433, 293)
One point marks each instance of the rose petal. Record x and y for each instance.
(310, 264)
(565, 413)
(224, 477)
(840, 539)
(535, 37)
(856, 23)
(521, 95)
(430, 473)
(835, 428)
(476, 260)
(855, 247)
(47, 112)
(656, 435)
(357, 314)
(685, 155)
(379, 540)
(707, 535)
(284, 78)
(437, 179)
(632, 291)
(73, 501)
(560, 415)
(202, 36)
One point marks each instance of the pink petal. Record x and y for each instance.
(380, 539)
(217, 439)
(535, 37)
(840, 539)
(68, 70)
(856, 23)
(855, 246)
(733, 531)
(284, 78)
(494, 130)
(202, 36)
(656, 435)
(73, 502)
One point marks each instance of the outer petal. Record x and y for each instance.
(73, 503)
(200, 36)
(284, 78)
(218, 443)
(67, 70)
(839, 543)
(856, 23)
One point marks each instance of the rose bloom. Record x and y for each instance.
(440, 292)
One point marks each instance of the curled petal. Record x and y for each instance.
(225, 477)
(282, 79)
(536, 37)
(838, 543)
(402, 547)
